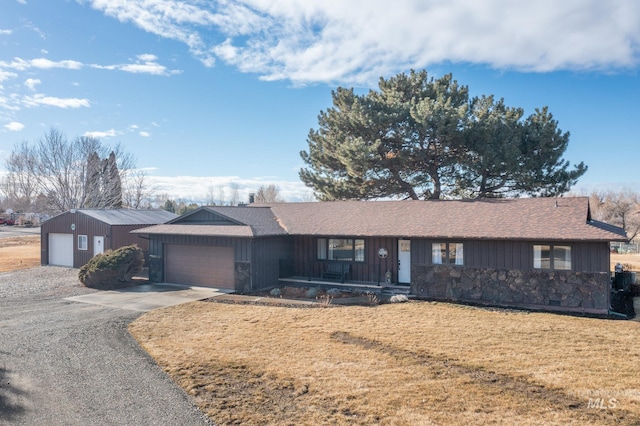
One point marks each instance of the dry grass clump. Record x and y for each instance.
(413, 363)
(19, 253)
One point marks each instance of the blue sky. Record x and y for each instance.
(208, 93)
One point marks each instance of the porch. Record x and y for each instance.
(347, 285)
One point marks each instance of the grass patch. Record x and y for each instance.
(19, 253)
(415, 363)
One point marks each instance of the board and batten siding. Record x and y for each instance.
(307, 264)
(268, 252)
(499, 254)
(206, 217)
(121, 236)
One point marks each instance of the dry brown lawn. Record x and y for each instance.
(416, 363)
(632, 260)
(19, 252)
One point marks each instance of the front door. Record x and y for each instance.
(98, 245)
(404, 261)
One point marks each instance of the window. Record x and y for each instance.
(322, 248)
(344, 249)
(82, 242)
(447, 254)
(552, 257)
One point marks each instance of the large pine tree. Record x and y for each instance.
(418, 137)
(103, 185)
(112, 183)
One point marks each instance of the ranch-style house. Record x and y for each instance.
(544, 253)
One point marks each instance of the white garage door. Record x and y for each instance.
(61, 250)
(199, 265)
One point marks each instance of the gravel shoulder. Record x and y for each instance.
(68, 363)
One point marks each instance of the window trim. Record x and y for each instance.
(444, 250)
(323, 250)
(85, 239)
(539, 248)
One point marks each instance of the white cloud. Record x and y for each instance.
(20, 64)
(6, 75)
(360, 40)
(145, 63)
(146, 68)
(98, 134)
(144, 134)
(31, 83)
(9, 103)
(6, 32)
(40, 99)
(44, 63)
(147, 57)
(14, 126)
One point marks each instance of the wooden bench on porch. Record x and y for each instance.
(337, 271)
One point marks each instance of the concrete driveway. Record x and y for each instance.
(146, 297)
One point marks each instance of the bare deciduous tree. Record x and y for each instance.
(268, 194)
(211, 198)
(235, 196)
(137, 191)
(621, 208)
(221, 195)
(57, 169)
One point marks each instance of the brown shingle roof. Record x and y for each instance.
(262, 220)
(521, 219)
(198, 230)
(543, 219)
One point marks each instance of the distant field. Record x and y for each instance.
(19, 252)
(628, 259)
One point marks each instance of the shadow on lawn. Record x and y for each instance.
(522, 388)
(9, 409)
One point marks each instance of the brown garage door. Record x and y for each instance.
(199, 265)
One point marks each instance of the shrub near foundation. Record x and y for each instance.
(113, 269)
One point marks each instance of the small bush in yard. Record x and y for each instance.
(311, 293)
(113, 269)
(275, 292)
(399, 298)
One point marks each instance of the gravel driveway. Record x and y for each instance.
(69, 363)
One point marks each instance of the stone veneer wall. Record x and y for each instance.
(557, 290)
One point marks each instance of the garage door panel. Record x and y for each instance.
(200, 265)
(61, 250)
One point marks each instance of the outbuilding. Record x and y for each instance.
(72, 238)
